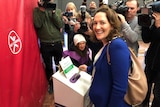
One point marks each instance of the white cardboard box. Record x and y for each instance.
(71, 94)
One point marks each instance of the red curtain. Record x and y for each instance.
(22, 78)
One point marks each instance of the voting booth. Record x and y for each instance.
(71, 86)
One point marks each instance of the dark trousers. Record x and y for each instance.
(70, 39)
(49, 50)
(156, 91)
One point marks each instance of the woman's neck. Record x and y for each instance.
(104, 42)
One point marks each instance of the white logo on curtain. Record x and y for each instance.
(14, 42)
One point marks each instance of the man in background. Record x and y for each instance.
(151, 34)
(130, 28)
(48, 25)
(92, 8)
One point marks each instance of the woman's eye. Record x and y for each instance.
(102, 23)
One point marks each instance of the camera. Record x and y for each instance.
(145, 17)
(83, 23)
(47, 5)
(68, 14)
(119, 6)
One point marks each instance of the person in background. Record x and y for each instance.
(130, 28)
(48, 25)
(79, 53)
(152, 60)
(88, 34)
(110, 82)
(92, 8)
(69, 18)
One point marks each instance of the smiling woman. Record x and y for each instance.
(111, 80)
(106, 25)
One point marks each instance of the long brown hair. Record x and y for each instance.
(113, 19)
(83, 53)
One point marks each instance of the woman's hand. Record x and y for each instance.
(83, 67)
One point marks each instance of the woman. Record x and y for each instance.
(110, 82)
(79, 53)
(69, 18)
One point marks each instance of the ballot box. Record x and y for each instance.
(71, 86)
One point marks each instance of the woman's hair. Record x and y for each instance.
(81, 53)
(113, 19)
(78, 51)
(72, 5)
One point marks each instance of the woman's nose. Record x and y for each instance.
(97, 26)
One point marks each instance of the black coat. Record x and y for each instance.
(152, 58)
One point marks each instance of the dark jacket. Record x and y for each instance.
(152, 58)
(48, 25)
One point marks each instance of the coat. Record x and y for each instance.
(110, 82)
(152, 58)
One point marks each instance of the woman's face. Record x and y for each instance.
(81, 45)
(101, 26)
(70, 8)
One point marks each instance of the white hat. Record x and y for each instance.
(78, 38)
